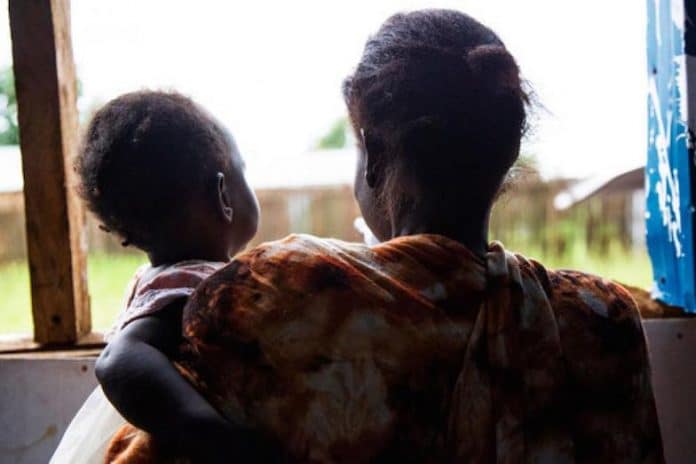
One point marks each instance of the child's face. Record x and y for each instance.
(245, 208)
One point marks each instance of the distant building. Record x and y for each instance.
(629, 184)
(309, 193)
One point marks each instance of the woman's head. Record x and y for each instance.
(438, 104)
(163, 174)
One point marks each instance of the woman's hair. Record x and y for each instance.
(145, 161)
(441, 97)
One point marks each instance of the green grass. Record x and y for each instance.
(109, 274)
(628, 268)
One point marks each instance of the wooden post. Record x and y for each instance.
(46, 99)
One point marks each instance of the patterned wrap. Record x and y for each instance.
(417, 350)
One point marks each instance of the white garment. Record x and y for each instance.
(368, 237)
(88, 435)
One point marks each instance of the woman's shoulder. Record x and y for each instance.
(589, 294)
(599, 305)
(292, 258)
(310, 264)
(304, 251)
(292, 277)
(295, 248)
(595, 315)
(598, 324)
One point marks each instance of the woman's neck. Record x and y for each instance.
(471, 231)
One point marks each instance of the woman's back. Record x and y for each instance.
(425, 348)
(417, 350)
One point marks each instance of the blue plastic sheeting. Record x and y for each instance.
(670, 168)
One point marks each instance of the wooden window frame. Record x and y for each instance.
(46, 90)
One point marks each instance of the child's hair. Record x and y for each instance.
(146, 160)
(442, 97)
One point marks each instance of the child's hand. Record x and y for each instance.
(147, 389)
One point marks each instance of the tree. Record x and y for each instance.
(9, 126)
(9, 130)
(336, 136)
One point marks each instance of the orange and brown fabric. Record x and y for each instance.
(417, 350)
(650, 308)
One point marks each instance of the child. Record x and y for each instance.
(166, 177)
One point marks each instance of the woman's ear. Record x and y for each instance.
(224, 204)
(374, 169)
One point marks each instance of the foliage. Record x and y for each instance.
(9, 126)
(9, 131)
(336, 136)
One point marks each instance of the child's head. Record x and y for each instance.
(163, 174)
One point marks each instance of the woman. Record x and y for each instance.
(432, 346)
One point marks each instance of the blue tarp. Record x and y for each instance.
(670, 166)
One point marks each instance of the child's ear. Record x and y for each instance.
(224, 204)
(374, 148)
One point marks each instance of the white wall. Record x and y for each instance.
(672, 344)
(38, 397)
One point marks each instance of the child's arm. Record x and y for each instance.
(139, 379)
